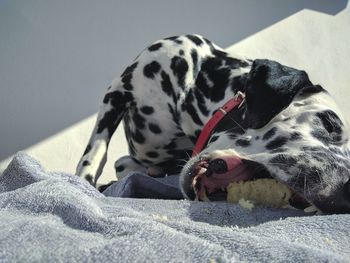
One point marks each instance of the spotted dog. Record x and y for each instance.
(286, 127)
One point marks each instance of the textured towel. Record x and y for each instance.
(50, 217)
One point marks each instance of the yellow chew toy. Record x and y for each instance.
(265, 192)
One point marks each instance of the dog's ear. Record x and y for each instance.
(270, 88)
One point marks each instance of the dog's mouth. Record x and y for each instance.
(212, 177)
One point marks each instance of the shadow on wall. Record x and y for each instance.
(58, 57)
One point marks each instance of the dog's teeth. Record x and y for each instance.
(202, 170)
(311, 209)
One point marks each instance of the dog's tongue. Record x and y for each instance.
(236, 171)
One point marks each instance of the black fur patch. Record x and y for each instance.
(138, 120)
(127, 82)
(202, 85)
(276, 143)
(174, 114)
(120, 168)
(155, 47)
(154, 128)
(213, 138)
(86, 163)
(219, 75)
(148, 110)
(331, 132)
(108, 122)
(174, 39)
(181, 52)
(170, 146)
(243, 142)
(129, 70)
(165, 83)
(201, 102)
(138, 137)
(330, 121)
(179, 67)
(151, 69)
(195, 39)
(194, 56)
(269, 133)
(295, 136)
(87, 149)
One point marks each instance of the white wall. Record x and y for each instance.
(57, 57)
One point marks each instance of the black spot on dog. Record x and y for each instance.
(138, 120)
(197, 133)
(213, 138)
(148, 110)
(152, 154)
(86, 163)
(174, 114)
(181, 52)
(194, 57)
(151, 69)
(202, 85)
(89, 178)
(87, 149)
(108, 122)
(330, 121)
(170, 146)
(166, 84)
(201, 102)
(269, 133)
(295, 136)
(120, 168)
(132, 148)
(180, 134)
(328, 128)
(129, 70)
(191, 110)
(127, 82)
(155, 47)
(276, 143)
(179, 67)
(219, 75)
(118, 99)
(243, 142)
(195, 39)
(154, 128)
(174, 39)
(138, 137)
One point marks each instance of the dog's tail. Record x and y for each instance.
(111, 112)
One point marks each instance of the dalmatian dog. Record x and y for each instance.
(285, 127)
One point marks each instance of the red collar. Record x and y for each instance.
(214, 120)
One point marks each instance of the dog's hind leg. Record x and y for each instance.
(110, 114)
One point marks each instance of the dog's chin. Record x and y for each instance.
(204, 183)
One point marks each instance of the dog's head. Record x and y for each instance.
(287, 129)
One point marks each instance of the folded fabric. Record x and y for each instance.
(57, 217)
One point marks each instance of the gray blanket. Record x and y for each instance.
(56, 217)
